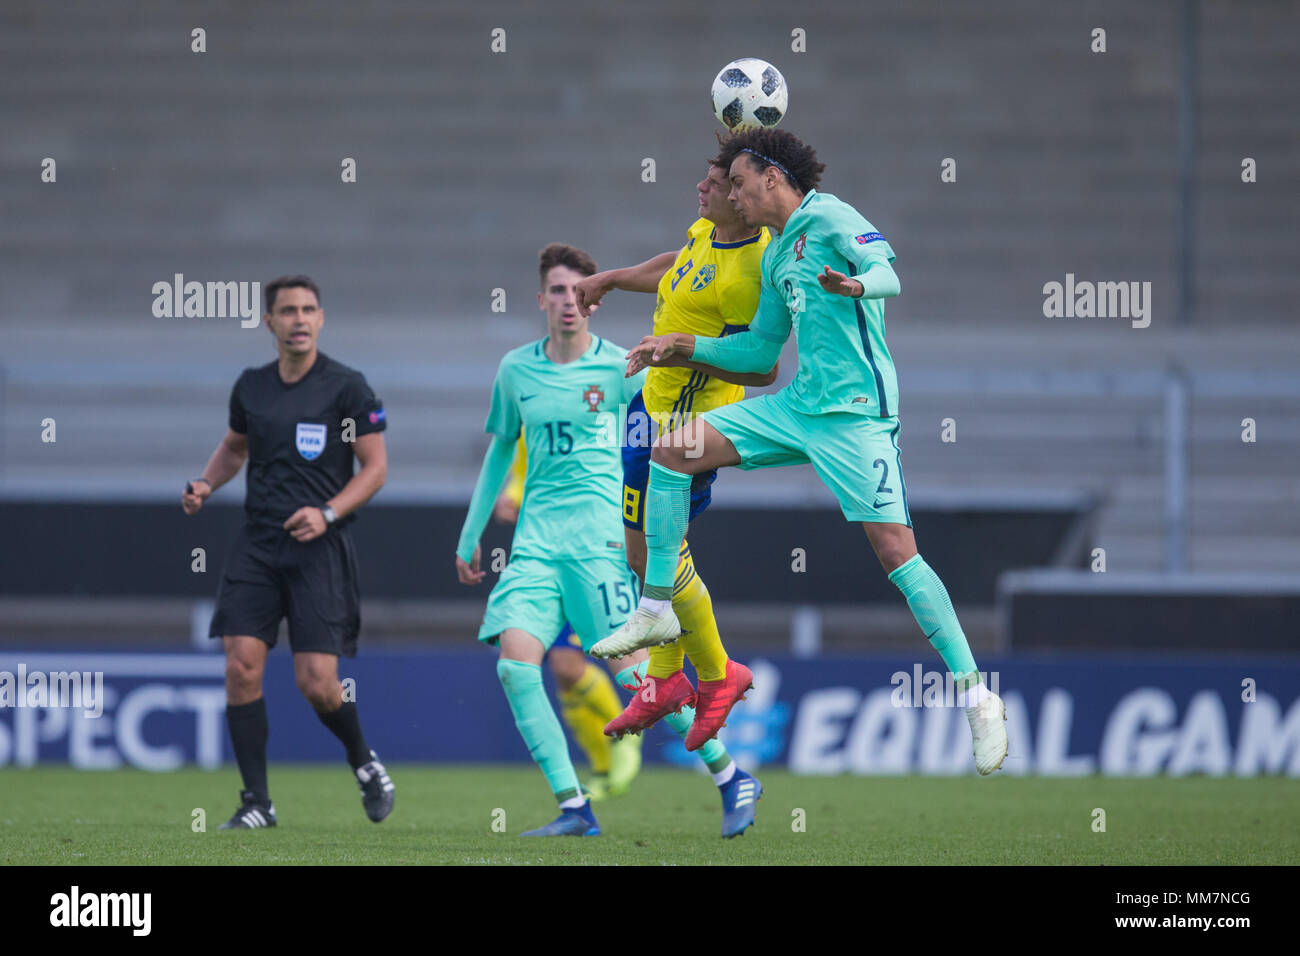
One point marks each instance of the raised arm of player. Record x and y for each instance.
(877, 281)
(226, 460)
(676, 360)
(860, 245)
(496, 464)
(755, 350)
(736, 378)
(643, 277)
(746, 352)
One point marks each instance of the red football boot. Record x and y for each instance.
(714, 703)
(653, 700)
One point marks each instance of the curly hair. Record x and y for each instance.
(774, 147)
(560, 254)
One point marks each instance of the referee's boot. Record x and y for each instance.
(252, 814)
(377, 791)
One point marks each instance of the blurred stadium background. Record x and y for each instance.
(1071, 435)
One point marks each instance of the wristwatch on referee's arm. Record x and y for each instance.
(328, 514)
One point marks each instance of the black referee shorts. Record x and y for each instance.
(269, 576)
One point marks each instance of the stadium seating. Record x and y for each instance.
(173, 161)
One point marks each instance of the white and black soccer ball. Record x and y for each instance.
(749, 94)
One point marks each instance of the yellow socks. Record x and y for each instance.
(587, 707)
(700, 639)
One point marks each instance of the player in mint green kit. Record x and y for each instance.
(565, 393)
(825, 278)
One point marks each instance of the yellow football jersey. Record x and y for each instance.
(711, 290)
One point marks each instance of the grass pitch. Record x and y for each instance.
(445, 815)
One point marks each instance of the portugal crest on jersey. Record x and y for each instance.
(310, 440)
(593, 396)
(799, 246)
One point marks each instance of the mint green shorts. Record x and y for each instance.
(855, 455)
(595, 596)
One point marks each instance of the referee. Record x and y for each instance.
(298, 420)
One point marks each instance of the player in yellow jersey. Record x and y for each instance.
(588, 700)
(708, 287)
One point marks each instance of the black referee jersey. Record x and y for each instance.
(296, 458)
(296, 453)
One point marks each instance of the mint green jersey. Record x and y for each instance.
(843, 361)
(571, 418)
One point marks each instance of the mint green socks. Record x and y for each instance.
(713, 754)
(668, 509)
(539, 726)
(629, 678)
(932, 608)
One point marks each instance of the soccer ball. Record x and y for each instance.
(748, 94)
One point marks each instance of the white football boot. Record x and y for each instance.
(643, 629)
(988, 729)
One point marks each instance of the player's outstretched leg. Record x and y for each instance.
(932, 608)
(668, 505)
(663, 689)
(693, 449)
(653, 699)
(699, 640)
(666, 689)
(540, 728)
(722, 682)
(740, 791)
(587, 704)
(714, 700)
(581, 688)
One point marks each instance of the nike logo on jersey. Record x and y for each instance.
(524, 398)
(879, 504)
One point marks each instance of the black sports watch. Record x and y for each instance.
(328, 514)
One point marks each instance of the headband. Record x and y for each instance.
(770, 162)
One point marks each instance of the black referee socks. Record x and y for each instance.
(346, 726)
(248, 731)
